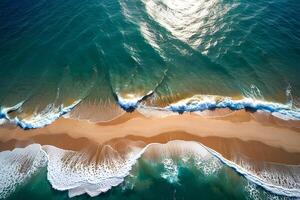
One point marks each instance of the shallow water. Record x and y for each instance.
(177, 169)
(146, 185)
(166, 177)
(57, 52)
(97, 59)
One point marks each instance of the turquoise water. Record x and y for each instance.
(99, 58)
(57, 52)
(175, 170)
(146, 182)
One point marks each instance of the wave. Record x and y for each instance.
(197, 103)
(211, 102)
(277, 183)
(38, 120)
(81, 172)
(275, 178)
(19, 165)
(129, 105)
(6, 110)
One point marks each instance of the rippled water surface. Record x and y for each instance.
(57, 52)
(96, 59)
(176, 170)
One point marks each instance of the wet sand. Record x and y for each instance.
(256, 136)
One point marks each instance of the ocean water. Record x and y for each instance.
(146, 184)
(176, 170)
(97, 59)
(119, 54)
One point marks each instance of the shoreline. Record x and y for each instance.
(230, 134)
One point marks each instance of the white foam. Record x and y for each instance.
(287, 176)
(267, 179)
(131, 101)
(37, 120)
(154, 112)
(6, 110)
(19, 165)
(197, 103)
(210, 102)
(80, 173)
(252, 190)
(275, 178)
(171, 170)
(186, 152)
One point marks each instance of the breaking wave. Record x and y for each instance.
(38, 120)
(213, 102)
(81, 172)
(19, 165)
(197, 103)
(210, 102)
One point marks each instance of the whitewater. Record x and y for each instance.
(76, 173)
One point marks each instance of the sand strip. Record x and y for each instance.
(259, 140)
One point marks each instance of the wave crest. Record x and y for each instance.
(19, 165)
(82, 172)
(211, 102)
(38, 120)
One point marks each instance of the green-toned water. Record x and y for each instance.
(175, 170)
(146, 182)
(108, 56)
(55, 52)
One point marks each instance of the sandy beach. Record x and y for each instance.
(255, 135)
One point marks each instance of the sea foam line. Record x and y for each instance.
(211, 102)
(129, 105)
(250, 176)
(39, 120)
(95, 179)
(18, 165)
(193, 104)
(275, 189)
